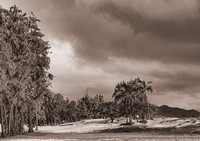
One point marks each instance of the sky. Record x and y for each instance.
(97, 43)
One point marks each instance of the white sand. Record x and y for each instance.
(99, 124)
(86, 126)
(79, 127)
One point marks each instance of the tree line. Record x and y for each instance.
(25, 97)
(130, 101)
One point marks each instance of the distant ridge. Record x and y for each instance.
(166, 111)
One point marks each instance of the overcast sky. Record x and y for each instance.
(97, 43)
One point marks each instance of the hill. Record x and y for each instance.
(166, 111)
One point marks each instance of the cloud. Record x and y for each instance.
(179, 78)
(174, 20)
(128, 29)
(166, 31)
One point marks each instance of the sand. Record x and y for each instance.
(92, 125)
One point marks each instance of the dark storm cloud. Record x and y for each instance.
(186, 81)
(103, 29)
(186, 30)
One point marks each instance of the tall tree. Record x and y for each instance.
(124, 95)
(85, 105)
(96, 104)
(143, 89)
(23, 68)
(14, 53)
(131, 94)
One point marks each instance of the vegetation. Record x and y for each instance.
(23, 73)
(25, 97)
(58, 110)
(132, 98)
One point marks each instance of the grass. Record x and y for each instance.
(103, 136)
(189, 130)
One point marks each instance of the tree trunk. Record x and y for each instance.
(30, 119)
(51, 121)
(36, 122)
(54, 121)
(2, 124)
(148, 114)
(127, 120)
(6, 123)
(10, 121)
(112, 119)
(148, 110)
(15, 131)
(22, 123)
(127, 115)
(130, 118)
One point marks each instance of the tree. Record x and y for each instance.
(23, 68)
(40, 78)
(85, 106)
(96, 104)
(125, 96)
(73, 111)
(110, 109)
(14, 64)
(48, 104)
(131, 95)
(143, 88)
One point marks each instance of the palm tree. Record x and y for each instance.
(143, 88)
(124, 95)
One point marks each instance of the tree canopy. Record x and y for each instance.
(132, 96)
(23, 69)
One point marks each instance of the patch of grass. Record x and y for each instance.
(190, 130)
(124, 124)
(143, 121)
(68, 124)
(140, 129)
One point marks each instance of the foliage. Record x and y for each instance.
(23, 70)
(110, 109)
(132, 97)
